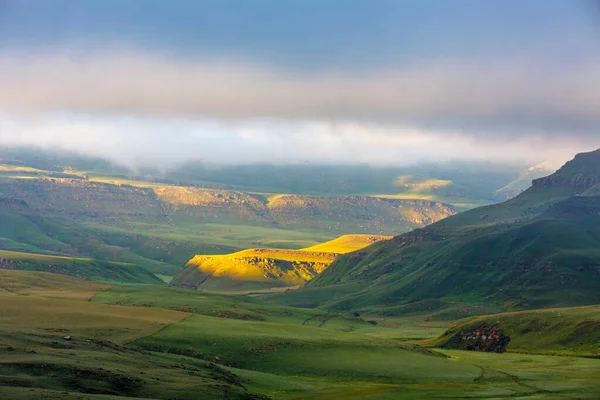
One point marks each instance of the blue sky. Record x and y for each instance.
(498, 77)
(310, 33)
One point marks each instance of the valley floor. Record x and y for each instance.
(63, 338)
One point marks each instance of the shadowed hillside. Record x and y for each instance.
(86, 268)
(539, 249)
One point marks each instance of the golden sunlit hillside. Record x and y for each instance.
(347, 243)
(267, 268)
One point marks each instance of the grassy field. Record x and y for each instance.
(258, 269)
(326, 355)
(161, 342)
(40, 310)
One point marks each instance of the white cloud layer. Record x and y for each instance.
(166, 143)
(143, 109)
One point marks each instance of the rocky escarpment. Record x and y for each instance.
(120, 204)
(269, 267)
(581, 173)
(374, 214)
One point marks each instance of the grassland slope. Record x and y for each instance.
(86, 268)
(285, 352)
(347, 243)
(537, 250)
(58, 345)
(134, 341)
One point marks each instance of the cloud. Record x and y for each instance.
(169, 142)
(495, 99)
(146, 109)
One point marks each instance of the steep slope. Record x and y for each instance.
(356, 214)
(267, 268)
(540, 249)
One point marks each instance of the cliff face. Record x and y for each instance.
(373, 214)
(171, 205)
(581, 173)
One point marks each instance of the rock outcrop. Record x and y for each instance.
(482, 339)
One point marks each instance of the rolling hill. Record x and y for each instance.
(85, 268)
(267, 268)
(558, 331)
(540, 249)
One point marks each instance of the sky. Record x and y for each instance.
(382, 82)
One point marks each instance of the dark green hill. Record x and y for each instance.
(540, 249)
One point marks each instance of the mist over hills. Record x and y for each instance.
(474, 179)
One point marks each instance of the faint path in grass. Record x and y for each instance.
(322, 319)
(350, 393)
(487, 375)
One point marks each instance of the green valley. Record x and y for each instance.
(299, 200)
(295, 295)
(144, 341)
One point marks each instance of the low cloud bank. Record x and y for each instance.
(511, 98)
(167, 143)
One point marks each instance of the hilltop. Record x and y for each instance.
(347, 243)
(267, 268)
(540, 249)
